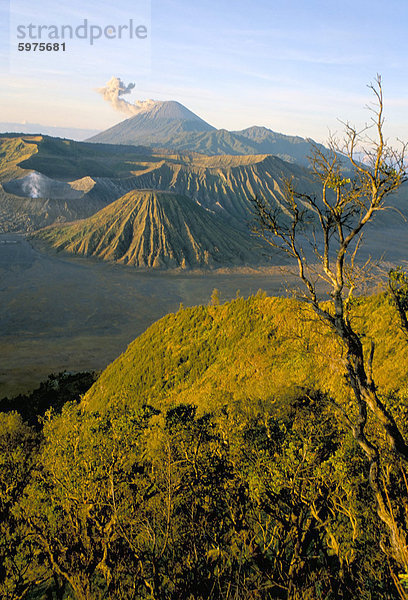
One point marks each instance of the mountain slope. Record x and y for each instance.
(79, 179)
(163, 122)
(171, 125)
(13, 151)
(29, 214)
(225, 185)
(155, 229)
(37, 173)
(289, 148)
(244, 353)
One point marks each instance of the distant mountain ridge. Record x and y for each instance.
(287, 147)
(172, 125)
(73, 133)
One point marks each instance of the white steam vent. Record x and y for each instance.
(37, 185)
(32, 185)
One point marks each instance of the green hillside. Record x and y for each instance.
(13, 151)
(247, 351)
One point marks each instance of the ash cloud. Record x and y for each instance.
(113, 91)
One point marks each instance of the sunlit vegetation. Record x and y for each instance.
(52, 393)
(207, 462)
(14, 150)
(248, 350)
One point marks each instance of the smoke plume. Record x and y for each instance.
(32, 185)
(115, 88)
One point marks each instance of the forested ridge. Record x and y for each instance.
(208, 461)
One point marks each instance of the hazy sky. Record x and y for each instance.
(295, 66)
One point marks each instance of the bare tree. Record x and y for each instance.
(355, 181)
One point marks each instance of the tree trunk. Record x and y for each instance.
(366, 397)
(81, 587)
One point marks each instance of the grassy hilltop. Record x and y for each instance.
(246, 351)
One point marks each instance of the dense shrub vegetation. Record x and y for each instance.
(206, 462)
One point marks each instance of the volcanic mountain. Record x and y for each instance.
(172, 125)
(45, 180)
(159, 124)
(147, 228)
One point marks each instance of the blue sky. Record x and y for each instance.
(296, 66)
